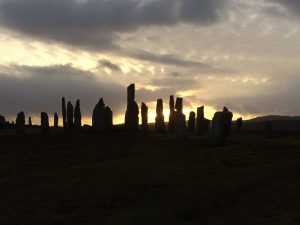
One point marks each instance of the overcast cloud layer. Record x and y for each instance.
(243, 54)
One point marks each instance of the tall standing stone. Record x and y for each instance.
(70, 113)
(221, 126)
(179, 120)
(200, 124)
(171, 116)
(98, 116)
(159, 120)
(64, 112)
(108, 119)
(239, 124)
(192, 121)
(29, 122)
(55, 120)
(132, 111)
(44, 122)
(144, 110)
(20, 122)
(77, 116)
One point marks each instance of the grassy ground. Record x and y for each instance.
(70, 179)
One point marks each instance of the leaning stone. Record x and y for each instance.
(44, 122)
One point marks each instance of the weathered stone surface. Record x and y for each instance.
(108, 119)
(180, 125)
(44, 122)
(20, 123)
(144, 110)
(269, 129)
(200, 125)
(70, 114)
(159, 120)
(29, 122)
(64, 112)
(98, 116)
(77, 116)
(2, 121)
(55, 120)
(239, 124)
(171, 116)
(132, 111)
(192, 121)
(179, 105)
(221, 126)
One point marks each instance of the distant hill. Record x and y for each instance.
(273, 118)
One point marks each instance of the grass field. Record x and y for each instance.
(86, 178)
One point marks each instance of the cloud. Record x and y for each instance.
(292, 5)
(108, 64)
(95, 24)
(37, 89)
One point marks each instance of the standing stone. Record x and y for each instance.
(98, 116)
(200, 120)
(64, 112)
(239, 124)
(179, 120)
(144, 110)
(70, 113)
(29, 121)
(206, 125)
(171, 116)
(159, 120)
(108, 119)
(44, 122)
(221, 126)
(55, 120)
(2, 121)
(20, 122)
(132, 111)
(77, 116)
(269, 129)
(192, 121)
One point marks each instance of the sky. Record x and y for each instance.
(235, 53)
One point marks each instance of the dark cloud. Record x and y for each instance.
(37, 89)
(292, 5)
(95, 24)
(108, 64)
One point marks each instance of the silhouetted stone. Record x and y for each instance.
(179, 105)
(29, 122)
(200, 126)
(192, 121)
(171, 115)
(180, 125)
(239, 124)
(64, 112)
(44, 122)
(159, 120)
(55, 120)
(132, 111)
(108, 119)
(221, 126)
(98, 116)
(269, 129)
(20, 123)
(206, 125)
(2, 121)
(70, 113)
(77, 116)
(179, 119)
(144, 110)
